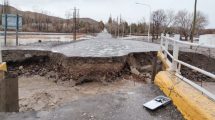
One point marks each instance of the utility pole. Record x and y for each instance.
(78, 20)
(150, 16)
(194, 22)
(130, 30)
(75, 15)
(117, 27)
(120, 24)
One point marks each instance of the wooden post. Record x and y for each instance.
(2, 92)
(154, 70)
(9, 101)
(12, 93)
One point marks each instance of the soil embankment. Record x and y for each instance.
(75, 69)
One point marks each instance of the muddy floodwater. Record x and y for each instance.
(29, 38)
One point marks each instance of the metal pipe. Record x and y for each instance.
(201, 89)
(191, 44)
(190, 66)
(195, 68)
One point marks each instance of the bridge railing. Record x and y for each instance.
(175, 64)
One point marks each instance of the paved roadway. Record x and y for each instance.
(114, 106)
(101, 46)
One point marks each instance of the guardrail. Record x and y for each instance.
(175, 64)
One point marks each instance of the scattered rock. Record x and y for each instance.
(134, 71)
(21, 67)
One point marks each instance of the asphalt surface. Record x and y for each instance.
(114, 106)
(101, 46)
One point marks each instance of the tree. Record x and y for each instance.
(101, 25)
(201, 22)
(68, 16)
(168, 23)
(6, 7)
(183, 23)
(158, 18)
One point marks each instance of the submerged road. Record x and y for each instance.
(101, 46)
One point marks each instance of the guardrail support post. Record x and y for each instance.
(162, 37)
(9, 100)
(175, 55)
(166, 45)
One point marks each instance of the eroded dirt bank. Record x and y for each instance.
(75, 69)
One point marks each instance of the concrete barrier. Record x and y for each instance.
(189, 101)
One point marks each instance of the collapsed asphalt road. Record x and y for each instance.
(117, 105)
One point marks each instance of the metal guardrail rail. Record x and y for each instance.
(176, 64)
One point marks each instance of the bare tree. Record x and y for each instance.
(183, 22)
(6, 7)
(170, 18)
(68, 16)
(158, 18)
(201, 22)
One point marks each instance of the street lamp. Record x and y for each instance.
(150, 9)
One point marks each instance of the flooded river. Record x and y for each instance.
(26, 38)
(34, 37)
(208, 39)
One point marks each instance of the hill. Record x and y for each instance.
(43, 22)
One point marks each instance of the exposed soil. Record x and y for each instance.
(77, 70)
(200, 61)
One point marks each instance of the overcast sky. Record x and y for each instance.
(102, 9)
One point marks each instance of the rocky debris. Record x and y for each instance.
(75, 71)
(146, 68)
(38, 101)
(134, 71)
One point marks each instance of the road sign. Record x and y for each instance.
(12, 21)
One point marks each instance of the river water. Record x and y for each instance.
(33, 38)
(208, 39)
(24, 39)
